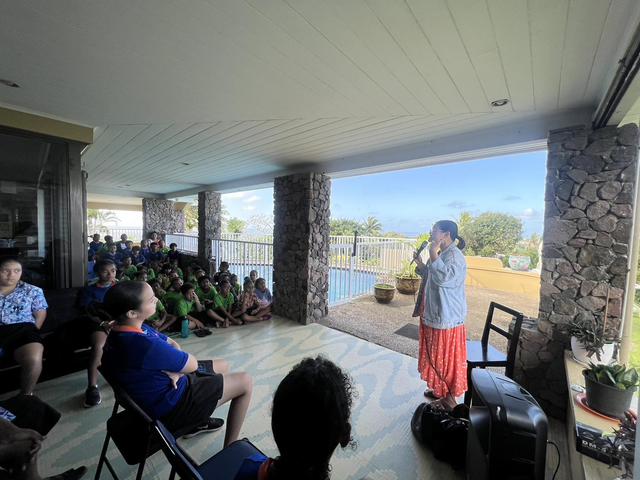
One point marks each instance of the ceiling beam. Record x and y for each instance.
(117, 192)
(520, 137)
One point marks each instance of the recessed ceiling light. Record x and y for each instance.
(9, 83)
(500, 103)
(185, 163)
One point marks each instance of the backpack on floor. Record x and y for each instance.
(445, 433)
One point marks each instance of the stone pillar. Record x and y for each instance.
(159, 216)
(589, 203)
(209, 227)
(301, 246)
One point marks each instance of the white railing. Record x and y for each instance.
(134, 234)
(333, 239)
(353, 269)
(245, 256)
(187, 242)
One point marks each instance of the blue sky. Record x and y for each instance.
(410, 201)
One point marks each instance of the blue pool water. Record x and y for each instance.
(338, 284)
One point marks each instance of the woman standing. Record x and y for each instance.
(23, 309)
(443, 354)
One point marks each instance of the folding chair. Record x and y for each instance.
(130, 430)
(482, 355)
(224, 465)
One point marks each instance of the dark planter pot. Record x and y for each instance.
(383, 295)
(408, 285)
(610, 401)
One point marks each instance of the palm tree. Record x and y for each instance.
(97, 218)
(371, 226)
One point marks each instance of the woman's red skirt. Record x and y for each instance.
(443, 359)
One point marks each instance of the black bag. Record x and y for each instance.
(445, 433)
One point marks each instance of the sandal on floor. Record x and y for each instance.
(200, 332)
(429, 394)
(207, 331)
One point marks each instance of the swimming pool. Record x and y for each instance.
(362, 281)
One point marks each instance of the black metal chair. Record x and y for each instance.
(131, 431)
(482, 355)
(224, 465)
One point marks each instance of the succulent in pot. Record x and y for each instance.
(610, 388)
(407, 280)
(591, 341)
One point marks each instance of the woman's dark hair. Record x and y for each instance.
(100, 264)
(118, 300)
(10, 258)
(310, 418)
(452, 228)
(186, 287)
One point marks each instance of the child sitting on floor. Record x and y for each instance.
(128, 250)
(235, 286)
(224, 268)
(163, 247)
(176, 268)
(160, 320)
(108, 240)
(206, 293)
(140, 276)
(264, 298)
(223, 307)
(120, 276)
(173, 253)
(144, 247)
(306, 441)
(173, 294)
(248, 303)
(154, 254)
(253, 275)
(189, 307)
(129, 269)
(138, 259)
(112, 254)
(96, 244)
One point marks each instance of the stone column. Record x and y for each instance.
(589, 204)
(301, 246)
(159, 216)
(209, 227)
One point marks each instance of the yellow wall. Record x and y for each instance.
(45, 126)
(489, 273)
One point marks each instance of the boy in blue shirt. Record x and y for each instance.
(128, 250)
(112, 255)
(138, 258)
(96, 244)
(155, 255)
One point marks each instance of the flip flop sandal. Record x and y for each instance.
(207, 331)
(429, 394)
(200, 332)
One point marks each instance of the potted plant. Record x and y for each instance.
(623, 444)
(407, 280)
(610, 388)
(384, 289)
(590, 341)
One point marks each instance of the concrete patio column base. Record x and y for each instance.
(209, 227)
(301, 246)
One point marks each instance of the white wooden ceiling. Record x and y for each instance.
(243, 88)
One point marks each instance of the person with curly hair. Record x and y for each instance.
(310, 418)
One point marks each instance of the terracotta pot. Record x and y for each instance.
(383, 295)
(582, 356)
(408, 285)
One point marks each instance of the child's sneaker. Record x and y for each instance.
(92, 397)
(212, 425)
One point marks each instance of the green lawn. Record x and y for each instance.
(634, 351)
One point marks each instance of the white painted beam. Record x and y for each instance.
(122, 193)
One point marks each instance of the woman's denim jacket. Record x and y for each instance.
(442, 290)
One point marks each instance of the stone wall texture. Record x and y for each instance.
(301, 246)
(589, 203)
(159, 216)
(209, 227)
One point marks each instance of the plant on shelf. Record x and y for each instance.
(610, 388)
(623, 444)
(589, 337)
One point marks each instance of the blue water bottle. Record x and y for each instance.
(184, 332)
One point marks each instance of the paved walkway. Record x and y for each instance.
(375, 322)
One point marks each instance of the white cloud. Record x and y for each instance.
(529, 213)
(234, 195)
(252, 199)
(249, 208)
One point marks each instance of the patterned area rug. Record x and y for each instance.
(388, 386)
